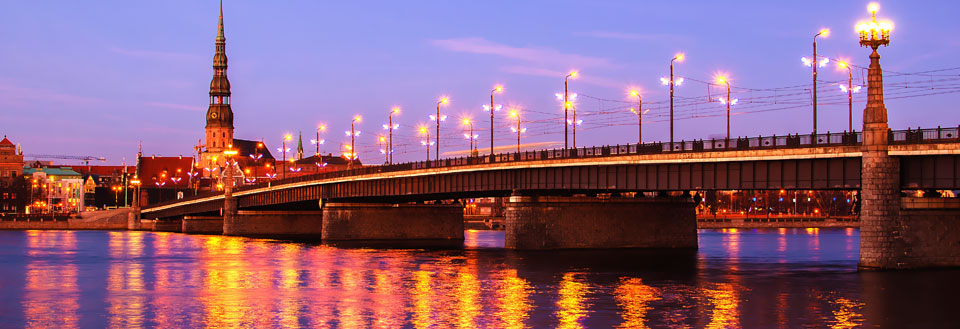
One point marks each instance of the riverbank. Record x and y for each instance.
(114, 219)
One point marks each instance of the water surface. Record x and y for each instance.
(738, 278)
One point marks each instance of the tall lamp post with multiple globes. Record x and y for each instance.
(726, 101)
(492, 108)
(880, 201)
(849, 89)
(389, 127)
(816, 62)
(672, 83)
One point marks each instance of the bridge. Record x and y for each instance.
(597, 197)
(588, 197)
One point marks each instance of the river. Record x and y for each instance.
(738, 278)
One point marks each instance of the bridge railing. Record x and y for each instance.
(909, 136)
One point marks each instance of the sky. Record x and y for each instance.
(97, 77)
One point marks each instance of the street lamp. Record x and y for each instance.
(566, 106)
(437, 119)
(639, 112)
(574, 122)
(492, 108)
(519, 129)
(256, 156)
(228, 155)
(816, 62)
(423, 131)
(353, 133)
(318, 141)
(382, 140)
(849, 89)
(471, 136)
(672, 82)
(283, 150)
(390, 126)
(726, 101)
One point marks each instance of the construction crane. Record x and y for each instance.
(85, 158)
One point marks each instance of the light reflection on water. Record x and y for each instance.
(748, 278)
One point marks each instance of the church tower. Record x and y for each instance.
(219, 128)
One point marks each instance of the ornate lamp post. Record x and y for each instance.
(850, 90)
(880, 202)
(816, 62)
(519, 129)
(874, 35)
(390, 126)
(492, 108)
(437, 119)
(726, 101)
(639, 112)
(672, 83)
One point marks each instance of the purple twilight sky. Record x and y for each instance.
(94, 77)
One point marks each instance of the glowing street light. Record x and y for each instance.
(672, 83)
(567, 104)
(849, 89)
(492, 108)
(318, 141)
(723, 80)
(353, 133)
(816, 62)
(283, 150)
(423, 131)
(519, 129)
(382, 141)
(390, 126)
(471, 136)
(639, 112)
(437, 119)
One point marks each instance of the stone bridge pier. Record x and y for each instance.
(424, 223)
(552, 222)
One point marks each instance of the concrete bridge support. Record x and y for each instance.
(393, 222)
(282, 224)
(547, 222)
(202, 224)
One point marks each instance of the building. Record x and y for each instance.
(11, 159)
(13, 192)
(58, 190)
(317, 164)
(252, 156)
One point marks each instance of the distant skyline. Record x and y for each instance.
(94, 78)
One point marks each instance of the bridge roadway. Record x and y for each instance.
(930, 159)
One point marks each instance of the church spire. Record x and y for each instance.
(220, 37)
(300, 147)
(219, 114)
